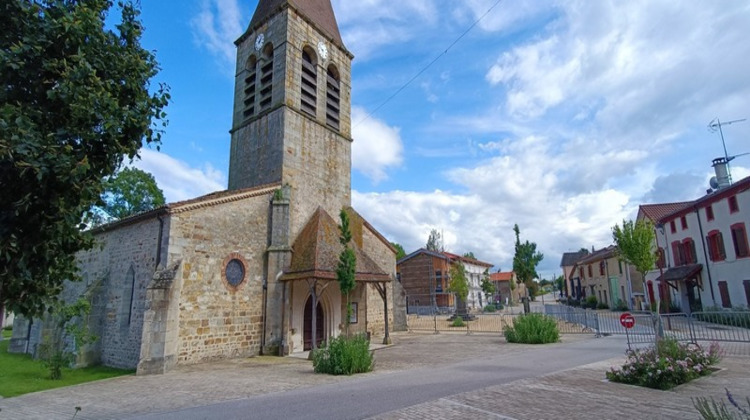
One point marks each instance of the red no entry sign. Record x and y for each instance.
(627, 320)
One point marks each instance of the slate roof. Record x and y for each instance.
(601, 254)
(681, 272)
(421, 251)
(318, 12)
(570, 258)
(316, 253)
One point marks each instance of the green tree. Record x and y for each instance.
(459, 284)
(75, 100)
(400, 253)
(634, 242)
(434, 241)
(347, 267)
(130, 191)
(560, 283)
(525, 260)
(470, 255)
(488, 287)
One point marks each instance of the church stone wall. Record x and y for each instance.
(122, 268)
(115, 274)
(216, 321)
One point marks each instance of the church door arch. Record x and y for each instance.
(319, 321)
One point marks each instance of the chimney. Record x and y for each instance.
(722, 173)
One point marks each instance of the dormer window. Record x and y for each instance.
(333, 97)
(309, 85)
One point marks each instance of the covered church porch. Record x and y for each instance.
(315, 307)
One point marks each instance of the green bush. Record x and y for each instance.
(458, 322)
(666, 366)
(490, 308)
(736, 317)
(621, 306)
(532, 328)
(602, 305)
(589, 302)
(344, 356)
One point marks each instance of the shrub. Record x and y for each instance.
(602, 305)
(736, 317)
(458, 322)
(532, 328)
(621, 306)
(490, 308)
(666, 366)
(344, 356)
(589, 302)
(718, 411)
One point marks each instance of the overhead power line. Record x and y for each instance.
(425, 68)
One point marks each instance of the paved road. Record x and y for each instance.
(374, 395)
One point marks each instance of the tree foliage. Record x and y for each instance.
(525, 260)
(75, 100)
(130, 191)
(459, 284)
(400, 253)
(347, 267)
(434, 241)
(634, 242)
(470, 255)
(488, 287)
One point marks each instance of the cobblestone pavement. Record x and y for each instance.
(579, 393)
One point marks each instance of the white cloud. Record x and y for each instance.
(177, 179)
(216, 27)
(377, 147)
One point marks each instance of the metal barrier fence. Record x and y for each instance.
(693, 328)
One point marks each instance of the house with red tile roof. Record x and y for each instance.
(706, 257)
(507, 286)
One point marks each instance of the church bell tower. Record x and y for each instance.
(292, 107)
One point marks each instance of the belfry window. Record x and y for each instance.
(250, 81)
(333, 98)
(309, 85)
(266, 78)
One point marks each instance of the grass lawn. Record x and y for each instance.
(20, 374)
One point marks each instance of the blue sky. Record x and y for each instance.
(561, 116)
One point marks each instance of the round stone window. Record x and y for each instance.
(234, 272)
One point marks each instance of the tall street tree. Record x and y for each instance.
(635, 242)
(525, 260)
(434, 241)
(76, 99)
(459, 284)
(347, 267)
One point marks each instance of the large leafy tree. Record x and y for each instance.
(525, 260)
(634, 242)
(76, 99)
(130, 192)
(400, 253)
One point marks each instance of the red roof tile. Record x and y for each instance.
(656, 211)
(504, 276)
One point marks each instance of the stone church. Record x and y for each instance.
(235, 273)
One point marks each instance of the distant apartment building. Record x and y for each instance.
(425, 277)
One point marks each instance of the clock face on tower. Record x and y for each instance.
(259, 42)
(323, 50)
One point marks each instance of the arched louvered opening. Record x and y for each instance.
(309, 85)
(251, 77)
(266, 78)
(333, 97)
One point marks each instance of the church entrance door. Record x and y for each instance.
(319, 333)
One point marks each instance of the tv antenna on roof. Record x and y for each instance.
(715, 125)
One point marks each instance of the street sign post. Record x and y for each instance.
(628, 321)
